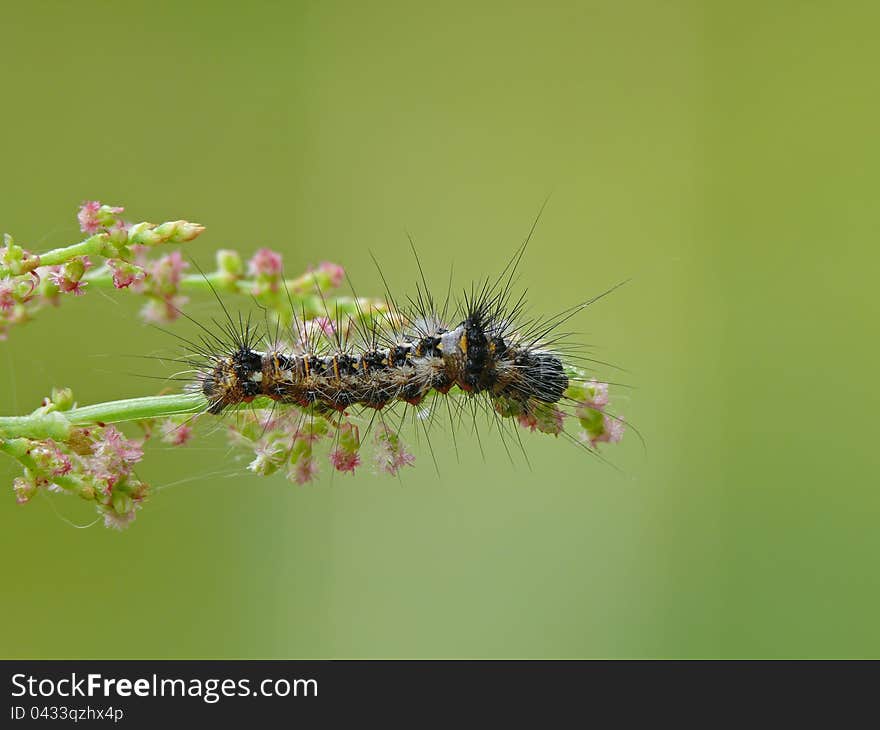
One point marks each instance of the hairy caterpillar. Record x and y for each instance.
(397, 361)
(333, 373)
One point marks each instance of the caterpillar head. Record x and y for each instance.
(540, 375)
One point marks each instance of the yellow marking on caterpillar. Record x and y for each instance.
(335, 367)
(462, 344)
(306, 364)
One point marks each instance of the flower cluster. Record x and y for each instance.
(119, 254)
(30, 281)
(293, 441)
(262, 278)
(95, 463)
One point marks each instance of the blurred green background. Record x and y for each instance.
(724, 155)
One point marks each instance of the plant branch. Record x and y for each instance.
(57, 424)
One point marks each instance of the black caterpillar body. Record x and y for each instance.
(477, 355)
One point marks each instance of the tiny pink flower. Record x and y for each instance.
(117, 521)
(114, 455)
(66, 284)
(158, 311)
(343, 460)
(612, 431)
(50, 460)
(141, 253)
(68, 278)
(265, 262)
(547, 419)
(125, 449)
(125, 274)
(597, 395)
(119, 231)
(527, 420)
(269, 456)
(312, 327)
(176, 434)
(7, 291)
(88, 217)
(24, 489)
(167, 270)
(391, 455)
(94, 217)
(305, 469)
(334, 271)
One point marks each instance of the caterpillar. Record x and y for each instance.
(481, 354)
(332, 373)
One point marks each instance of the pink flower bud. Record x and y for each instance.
(597, 394)
(390, 455)
(116, 520)
(24, 489)
(176, 434)
(317, 327)
(305, 469)
(545, 418)
(334, 271)
(144, 234)
(167, 270)
(230, 263)
(94, 217)
(7, 291)
(160, 309)
(612, 431)
(125, 274)
(265, 262)
(177, 231)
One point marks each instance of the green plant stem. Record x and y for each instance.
(92, 246)
(57, 425)
(137, 409)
